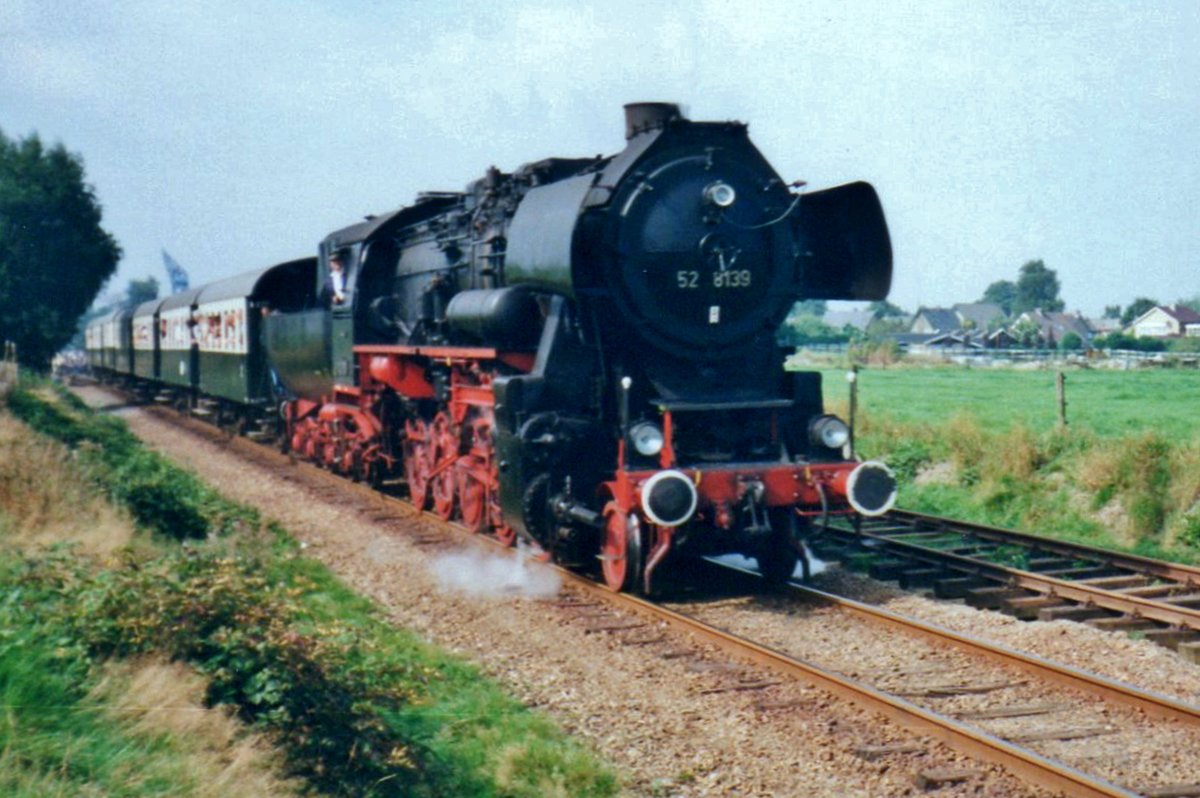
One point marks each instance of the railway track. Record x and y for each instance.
(909, 708)
(1028, 576)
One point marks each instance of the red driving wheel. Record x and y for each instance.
(621, 554)
(472, 495)
(444, 450)
(416, 462)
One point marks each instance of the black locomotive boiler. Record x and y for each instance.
(582, 354)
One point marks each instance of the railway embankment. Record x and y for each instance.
(621, 681)
(675, 716)
(125, 575)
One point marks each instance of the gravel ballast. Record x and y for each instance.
(674, 717)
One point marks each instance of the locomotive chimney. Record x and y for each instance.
(640, 117)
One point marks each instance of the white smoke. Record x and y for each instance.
(737, 560)
(483, 574)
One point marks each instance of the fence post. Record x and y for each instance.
(1061, 385)
(852, 378)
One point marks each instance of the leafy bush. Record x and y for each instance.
(807, 329)
(1189, 529)
(876, 351)
(907, 458)
(320, 691)
(1119, 340)
(1071, 342)
(160, 496)
(1188, 344)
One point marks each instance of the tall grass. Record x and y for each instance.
(985, 445)
(160, 497)
(1138, 492)
(46, 496)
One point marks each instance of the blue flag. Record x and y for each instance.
(179, 277)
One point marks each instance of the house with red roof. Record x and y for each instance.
(1165, 321)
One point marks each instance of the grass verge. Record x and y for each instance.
(356, 706)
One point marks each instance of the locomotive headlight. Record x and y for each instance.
(720, 194)
(647, 438)
(828, 431)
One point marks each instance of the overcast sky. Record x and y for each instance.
(237, 133)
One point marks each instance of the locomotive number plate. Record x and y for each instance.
(739, 278)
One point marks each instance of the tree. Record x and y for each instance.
(808, 329)
(882, 309)
(884, 327)
(140, 291)
(1002, 293)
(1136, 308)
(1112, 312)
(810, 307)
(1193, 303)
(1037, 287)
(1070, 341)
(1027, 334)
(54, 256)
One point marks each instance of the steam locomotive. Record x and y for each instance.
(580, 354)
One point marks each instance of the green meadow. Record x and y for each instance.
(1106, 402)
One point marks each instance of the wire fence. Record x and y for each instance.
(1104, 358)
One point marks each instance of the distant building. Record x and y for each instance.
(1000, 339)
(1053, 327)
(931, 321)
(1165, 321)
(908, 342)
(1103, 326)
(979, 315)
(954, 340)
(841, 319)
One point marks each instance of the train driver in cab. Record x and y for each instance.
(334, 290)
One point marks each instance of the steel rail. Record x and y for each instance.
(1176, 572)
(1154, 704)
(1151, 703)
(1135, 606)
(960, 736)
